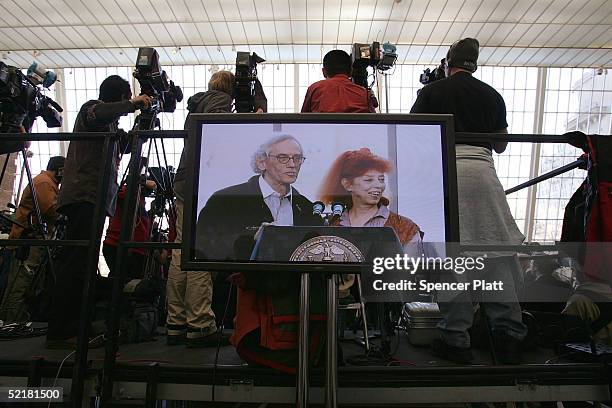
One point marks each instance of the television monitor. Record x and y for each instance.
(224, 203)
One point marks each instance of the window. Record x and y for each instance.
(517, 85)
(576, 99)
(83, 84)
(278, 83)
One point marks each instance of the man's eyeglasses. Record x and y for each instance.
(284, 158)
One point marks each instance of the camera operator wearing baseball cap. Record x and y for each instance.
(484, 214)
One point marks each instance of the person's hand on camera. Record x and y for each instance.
(150, 185)
(142, 101)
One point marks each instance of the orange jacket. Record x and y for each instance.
(47, 189)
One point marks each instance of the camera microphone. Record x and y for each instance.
(41, 77)
(317, 208)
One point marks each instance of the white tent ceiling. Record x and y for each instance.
(72, 33)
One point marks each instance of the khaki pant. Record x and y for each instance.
(22, 273)
(189, 293)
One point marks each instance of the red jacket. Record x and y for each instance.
(337, 95)
(142, 226)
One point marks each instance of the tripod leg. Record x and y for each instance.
(364, 318)
(43, 227)
(8, 156)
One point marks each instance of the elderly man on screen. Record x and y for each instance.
(226, 230)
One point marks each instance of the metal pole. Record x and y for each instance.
(303, 343)
(128, 215)
(80, 358)
(536, 150)
(386, 93)
(564, 169)
(18, 192)
(331, 361)
(41, 225)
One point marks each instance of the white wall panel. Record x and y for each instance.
(25, 13)
(349, 9)
(299, 32)
(231, 12)
(280, 8)
(213, 10)
(297, 10)
(315, 31)
(221, 32)
(237, 32)
(264, 9)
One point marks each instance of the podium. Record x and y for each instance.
(323, 247)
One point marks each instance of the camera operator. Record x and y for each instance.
(78, 197)
(29, 261)
(337, 93)
(142, 230)
(189, 294)
(484, 214)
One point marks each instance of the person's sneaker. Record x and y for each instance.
(508, 349)
(211, 340)
(457, 355)
(175, 335)
(71, 343)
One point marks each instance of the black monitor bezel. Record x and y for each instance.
(192, 149)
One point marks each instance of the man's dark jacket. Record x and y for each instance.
(84, 162)
(231, 217)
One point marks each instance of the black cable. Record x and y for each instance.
(220, 335)
(397, 329)
(59, 370)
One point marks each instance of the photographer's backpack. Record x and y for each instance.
(139, 312)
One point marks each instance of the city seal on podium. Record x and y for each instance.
(327, 248)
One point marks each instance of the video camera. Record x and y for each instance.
(155, 83)
(22, 101)
(428, 76)
(246, 76)
(370, 55)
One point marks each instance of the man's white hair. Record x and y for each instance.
(264, 149)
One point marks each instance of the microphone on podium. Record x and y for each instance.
(337, 209)
(317, 208)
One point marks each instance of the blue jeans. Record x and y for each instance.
(501, 307)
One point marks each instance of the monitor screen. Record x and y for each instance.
(254, 173)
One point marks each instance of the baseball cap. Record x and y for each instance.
(463, 54)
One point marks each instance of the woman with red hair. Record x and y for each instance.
(357, 180)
